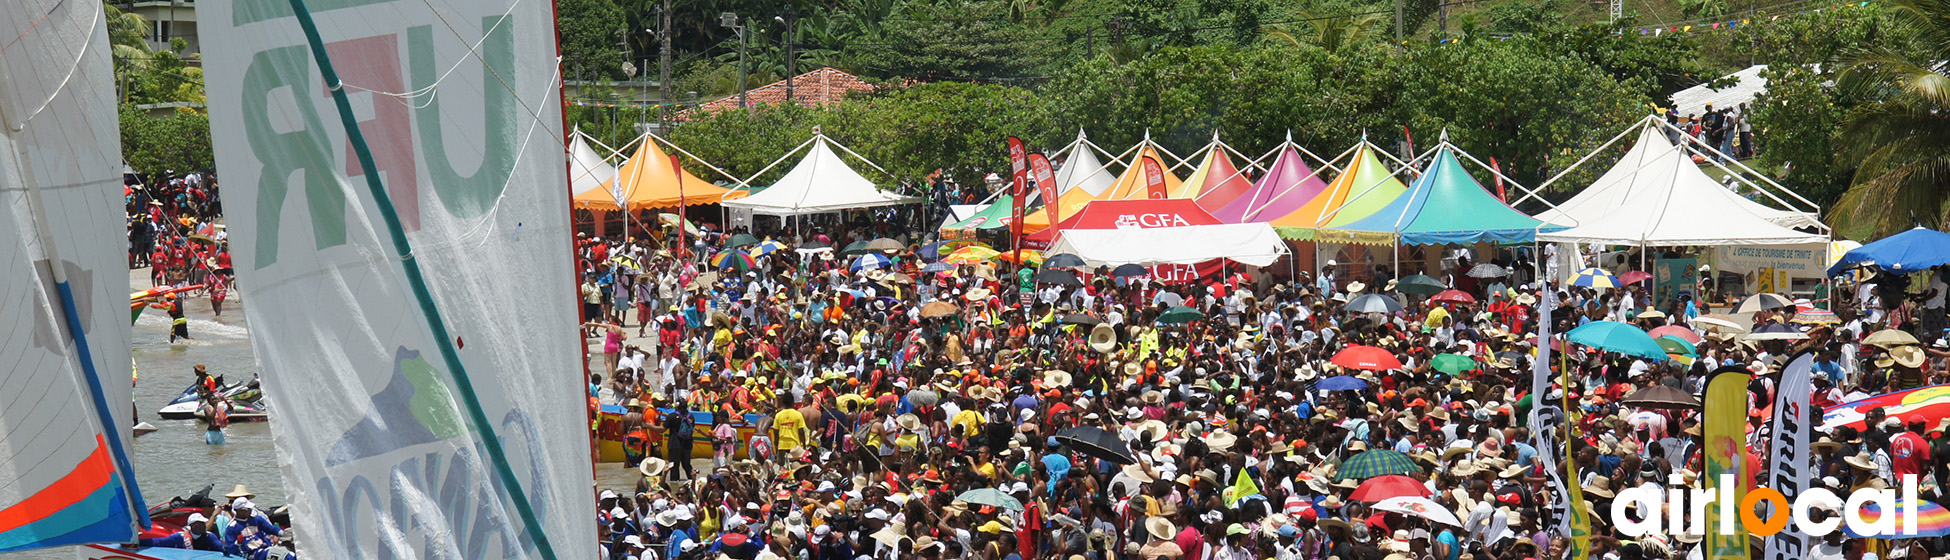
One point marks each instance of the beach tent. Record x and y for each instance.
(1216, 182)
(1082, 170)
(1286, 186)
(1073, 201)
(647, 180)
(1657, 197)
(820, 183)
(587, 168)
(992, 216)
(1131, 185)
(1253, 244)
(1364, 188)
(1443, 206)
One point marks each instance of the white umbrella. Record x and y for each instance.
(1420, 507)
(1718, 321)
(1487, 270)
(1758, 302)
(1373, 303)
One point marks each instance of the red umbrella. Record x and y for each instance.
(1452, 296)
(1366, 357)
(1389, 486)
(1676, 331)
(1634, 277)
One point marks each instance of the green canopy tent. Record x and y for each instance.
(1443, 206)
(995, 215)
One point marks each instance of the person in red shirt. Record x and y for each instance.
(1909, 453)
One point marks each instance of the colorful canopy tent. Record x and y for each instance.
(1654, 137)
(587, 168)
(1126, 214)
(1443, 206)
(992, 216)
(648, 181)
(1081, 168)
(1286, 186)
(1656, 197)
(1364, 188)
(1216, 182)
(1132, 180)
(821, 183)
(1253, 244)
(1131, 185)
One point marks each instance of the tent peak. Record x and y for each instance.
(1444, 137)
(1081, 135)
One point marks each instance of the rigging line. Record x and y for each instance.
(430, 88)
(31, 26)
(488, 70)
(79, 56)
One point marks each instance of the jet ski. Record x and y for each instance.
(246, 398)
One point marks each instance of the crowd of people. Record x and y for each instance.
(930, 409)
(1725, 129)
(175, 230)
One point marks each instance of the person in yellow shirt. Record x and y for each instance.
(788, 427)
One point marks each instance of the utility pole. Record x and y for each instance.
(663, 70)
(1398, 22)
(791, 43)
(730, 20)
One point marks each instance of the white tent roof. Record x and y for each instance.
(1254, 244)
(1655, 196)
(587, 169)
(820, 183)
(1747, 85)
(1082, 170)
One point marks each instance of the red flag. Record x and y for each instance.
(677, 168)
(1499, 179)
(1018, 189)
(1408, 139)
(1045, 182)
(1154, 179)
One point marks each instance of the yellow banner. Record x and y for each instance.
(1580, 519)
(1724, 428)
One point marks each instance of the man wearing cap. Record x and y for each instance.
(194, 535)
(250, 532)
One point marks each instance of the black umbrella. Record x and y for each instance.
(1058, 277)
(1129, 270)
(1096, 442)
(1660, 396)
(1063, 260)
(856, 248)
(1081, 319)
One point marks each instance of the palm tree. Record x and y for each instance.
(1901, 136)
(1330, 33)
(129, 44)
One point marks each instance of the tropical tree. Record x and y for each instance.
(128, 43)
(1899, 136)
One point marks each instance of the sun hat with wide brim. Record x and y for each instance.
(240, 491)
(1160, 528)
(652, 466)
(1861, 461)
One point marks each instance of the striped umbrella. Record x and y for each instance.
(871, 260)
(1596, 279)
(1932, 520)
(734, 260)
(766, 248)
(973, 254)
(1816, 317)
(1377, 462)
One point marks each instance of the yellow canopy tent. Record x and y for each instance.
(1366, 186)
(1130, 185)
(648, 181)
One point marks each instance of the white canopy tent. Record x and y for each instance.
(820, 183)
(1657, 197)
(1254, 244)
(588, 169)
(1747, 84)
(1082, 170)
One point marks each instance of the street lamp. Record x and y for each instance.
(791, 58)
(730, 20)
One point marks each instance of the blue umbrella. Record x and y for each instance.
(870, 260)
(1617, 337)
(1909, 251)
(1342, 383)
(937, 267)
(930, 252)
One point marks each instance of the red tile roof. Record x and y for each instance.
(817, 88)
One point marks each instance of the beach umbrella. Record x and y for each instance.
(1676, 345)
(972, 254)
(1356, 356)
(1617, 337)
(1932, 403)
(1419, 285)
(1595, 279)
(1097, 442)
(885, 245)
(898, 278)
(1661, 397)
(1058, 277)
(923, 397)
(1029, 258)
(1458, 297)
(1420, 507)
(1373, 303)
(855, 248)
(1816, 317)
(1487, 270)
(1389, 486)
(930, 252)
(1376, 462)
(938, 309)
(1129, 270)
(740, 240)
(1179, 315)
(1890, 338)
(1341, 383)
(990, 497)
(1718, 321)
(734, 260)
(1932, 520)
(1762, 302)
(937, 267)
(1081, 319)
(1907, 252)
(1452, 364)
(1634, 276)
(766, 247)
(1063, 260)
(1776, 331)
(870, 261)
(1678, 332)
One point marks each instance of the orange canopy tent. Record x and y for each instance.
(1129, 186)
(648, 181)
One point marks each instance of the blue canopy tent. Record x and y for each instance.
(1909, 251)
(1443, 206)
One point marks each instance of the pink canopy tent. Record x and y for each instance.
(1285, 187)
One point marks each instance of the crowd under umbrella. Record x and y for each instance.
(930, 252)
(1373, 303)
(1932, 520)
(870, 261)
(1718, 321)
(1776, 331)
(1420, 284)
(1084, 319)
(1890, 338)
(938, 309)
(1376, 462)
(990, 497)
(1419, 507)
(1617, 337)
(1816, 316)
(766, 248)
(1662, 397)
(885, 245)
(1678, 332)
(1458, 297)
(1097, 442)
(1389, 486)
(1179, 315)
(1634, 276)
(1676, 345)
(733, 260)
(1063, 260)
(741, 240)
(856, 248)
(1058, 277)
(1129, 270)
(1763, 302)
(1596, 279)
(1452, 364)
(1342, 383)
(937, 267)
(1372, 358)
(1487, 270)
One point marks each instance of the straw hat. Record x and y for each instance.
(909, 422)
(1356, 287)
(1600, 486)
(1827, 445)
(1136, 472)
(1056, 378)
(1157, 430)
(1132, 369)
(1330, 522)
(977, 294)
(1153, 397)
(1103, 338)
(1512, 472)
(1861, 461)
(1220, 440)
(1160, 528)
(1907, 356)
(240, 491)
(652, 466)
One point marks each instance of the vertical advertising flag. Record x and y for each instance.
(1789, 462)
(1724, 427)
(1154, 179)
(1018, 191)
(400, 205)
(1046, 183)
(1577, 520)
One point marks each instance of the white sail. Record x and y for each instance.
(65, 417)
(385, 454)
